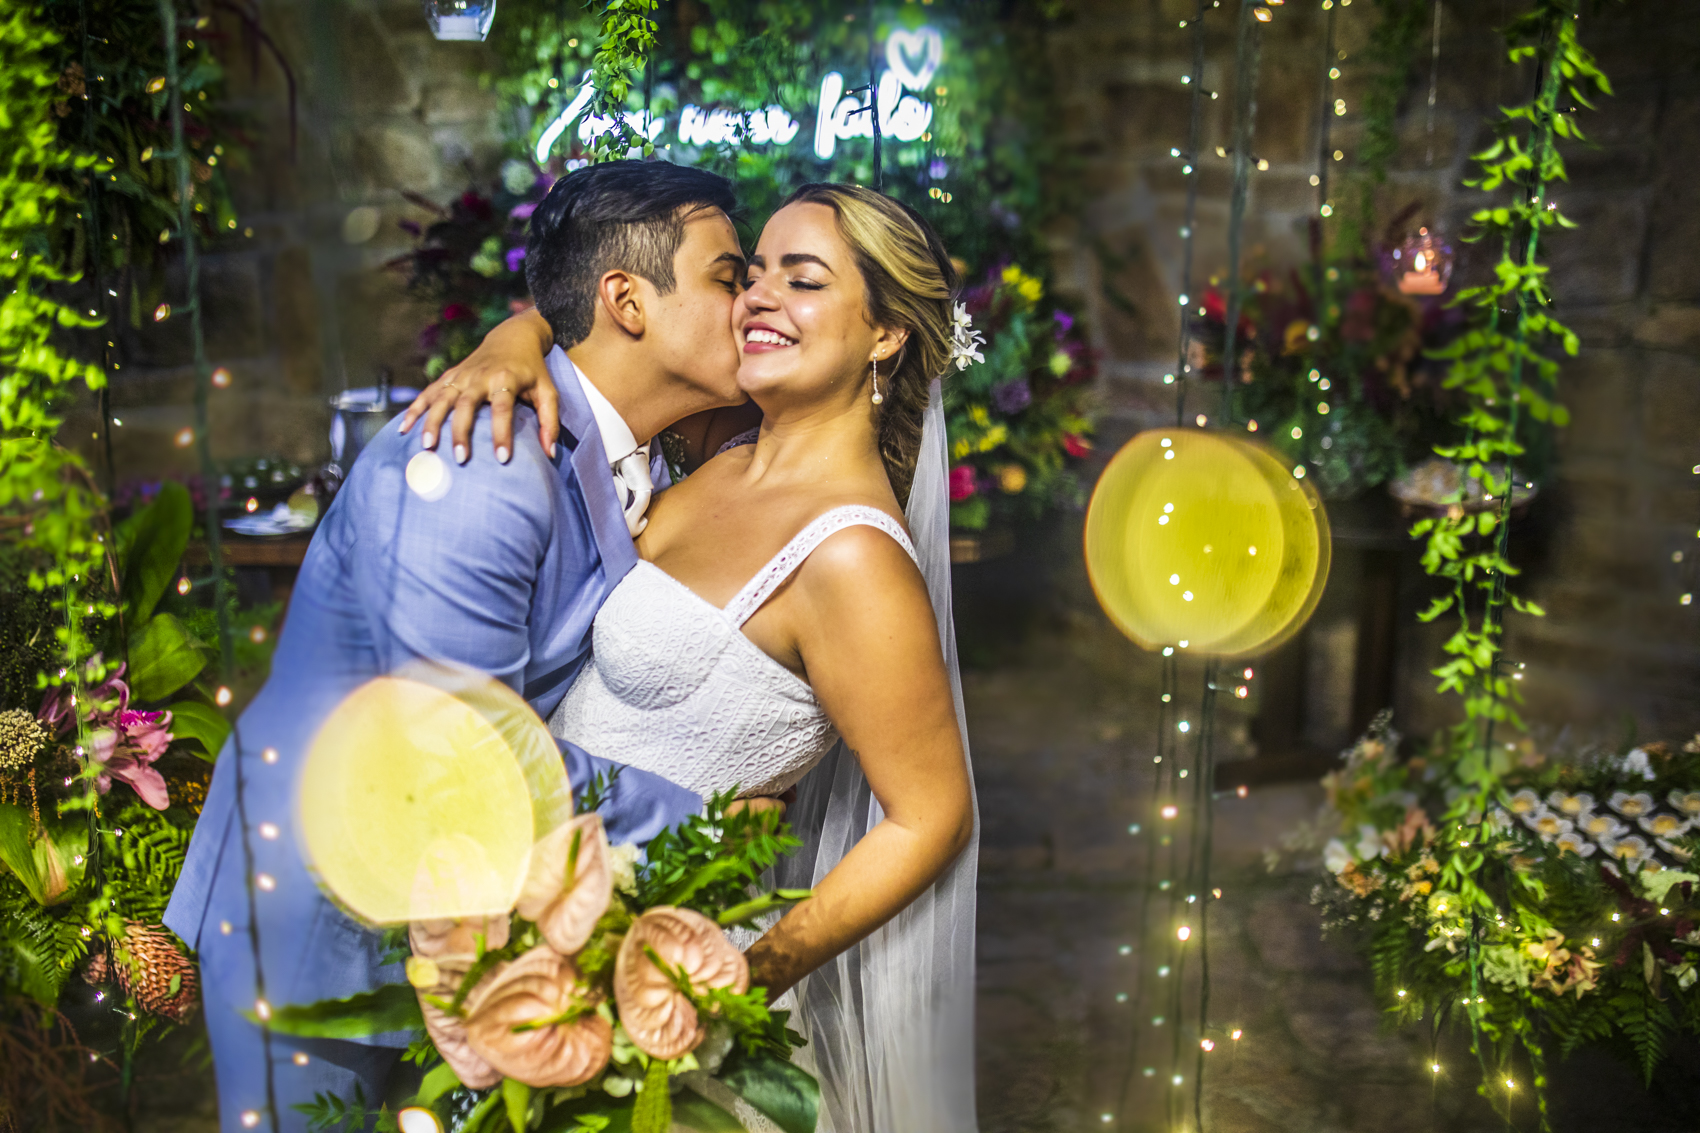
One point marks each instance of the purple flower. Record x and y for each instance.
(515, 257)
(938, 170)
(411, 227)
(1065, 323)
(523, 211)
(1012, 397)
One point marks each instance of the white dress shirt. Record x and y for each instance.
(628, 461)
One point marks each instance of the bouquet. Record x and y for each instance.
(611, 995)
(1538, 899)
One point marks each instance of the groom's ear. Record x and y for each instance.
(619, 296)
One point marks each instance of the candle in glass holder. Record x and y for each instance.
(1427, 265)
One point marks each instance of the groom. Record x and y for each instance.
(499, 567)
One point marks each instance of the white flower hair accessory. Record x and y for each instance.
(965, 341)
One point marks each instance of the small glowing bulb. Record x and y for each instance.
(1235, 1034)
(1614, 916)
(183, 585)
(265, 881)
(250, 1118)
(222, 696)
(1166, 442)
(224, 927)
(257, 634)
(221, 378)
(1401, 993)
(1184, 726)
(262, 1010)
(1242, 790)
(1434, 1066)
(162, 312)
(1170, 811)
(253, 505)
(1297, 432)
(1202, 420)
(1595, 942)
(1510, 1085)
(300, 1058)
(1207, 1045)
(184, 438)
(1242, 692)
(269, 755)
(1183, 933)
(1167, 698)
(268, 831)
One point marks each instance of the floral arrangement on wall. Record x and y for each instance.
(1018, 420)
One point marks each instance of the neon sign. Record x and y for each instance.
(912, 58)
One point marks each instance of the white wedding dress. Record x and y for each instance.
(675, 688)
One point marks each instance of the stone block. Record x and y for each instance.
(230, 292)
(295, 326)
(1599, 261)
(1670, 401)
(1145, 118)
(456, 97)
(1673, 271)
(1139, 317)
(391, 155)
(1600, 387)
(377, 81)
(1670, 326)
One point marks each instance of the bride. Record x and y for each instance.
(783, 628)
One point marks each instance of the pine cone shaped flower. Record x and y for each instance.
(147, 972)
(20, 739)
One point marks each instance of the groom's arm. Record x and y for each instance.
(446, 558)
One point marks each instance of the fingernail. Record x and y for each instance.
(430, 440)
(460, 454)
(501, 454)
(405, 426)
(551, 450)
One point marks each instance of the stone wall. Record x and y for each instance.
(1602, 544)
(303, 308)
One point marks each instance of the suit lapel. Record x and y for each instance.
(590, 465)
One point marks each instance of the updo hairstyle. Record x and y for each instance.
(910, 284)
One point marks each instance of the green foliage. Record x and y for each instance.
(1500, 374)
(709, 861)
(1388, 58)
(623, 48)
(787, 1095)
(328, 1111)
(48, 504)
(392, 1007)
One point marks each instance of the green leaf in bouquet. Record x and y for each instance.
(50, 859)
(206, 725)
(698, 1114)
(164, 656)
(439, 1080)
(755, 907)
(653, 1111)
(393, 1007)
(150, 545)
(516, 1099)
(787, 1094)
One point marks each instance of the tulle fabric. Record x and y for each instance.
(890, 1022)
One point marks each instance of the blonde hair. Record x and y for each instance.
(910, 284)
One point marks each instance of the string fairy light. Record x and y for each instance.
(170, 28)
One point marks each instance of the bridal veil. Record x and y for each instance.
(890, 1022)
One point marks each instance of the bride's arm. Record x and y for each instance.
(507, 367)
(865, 628)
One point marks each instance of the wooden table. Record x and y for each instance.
(279, 557)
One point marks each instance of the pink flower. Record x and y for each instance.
(535, 1021)
(569, 884)
(961, 483)
(1076, 446)
(661, 1019)
(457, 311)
(127, 747)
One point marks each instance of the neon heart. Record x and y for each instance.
(914, 56)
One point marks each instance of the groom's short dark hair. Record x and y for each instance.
(615, 215)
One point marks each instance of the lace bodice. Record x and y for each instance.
(675, 688)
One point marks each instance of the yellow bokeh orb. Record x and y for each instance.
(422, 795)
(1205, 542)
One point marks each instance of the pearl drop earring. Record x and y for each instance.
(877, 398)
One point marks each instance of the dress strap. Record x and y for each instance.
(760, 588)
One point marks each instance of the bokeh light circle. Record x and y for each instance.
(1207, 542)
(423, 793)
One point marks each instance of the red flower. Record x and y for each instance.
(1076, 446)
(1215, 306)
(456, 311)
(961, 483)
